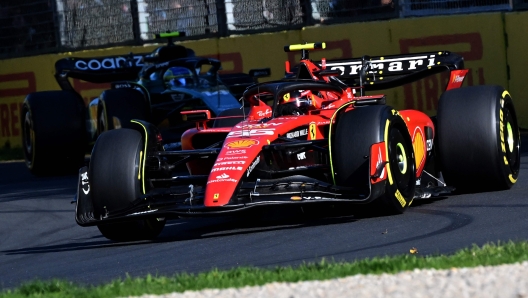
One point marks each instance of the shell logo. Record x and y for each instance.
(418, 145)
(241, 144)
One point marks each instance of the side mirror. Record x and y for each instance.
(196, 115)
(199, 116)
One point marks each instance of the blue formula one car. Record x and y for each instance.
(58, 127)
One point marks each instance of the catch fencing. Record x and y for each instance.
(32, 27)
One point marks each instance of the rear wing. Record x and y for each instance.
(372, 73)
(98, 69)
(383, 72)
(118, 68)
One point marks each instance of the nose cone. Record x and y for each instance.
(230, 168)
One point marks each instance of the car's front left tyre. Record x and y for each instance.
(116, 173)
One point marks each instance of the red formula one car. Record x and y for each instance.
(311, 138)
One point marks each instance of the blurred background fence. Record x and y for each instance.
(31, 27)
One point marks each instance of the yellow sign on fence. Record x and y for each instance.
(479, 38)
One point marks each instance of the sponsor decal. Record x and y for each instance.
(252, 132)
(109, 63)
(253, 165)
(400, 198)
(418, 146)
(227, 169)
(301, 156)
(221, 92)
(122, 86)
(85, 182)
(429, 144)
(161, 65)
(264, 114)
(286, 97)
(298, 133)
(223, 163)
(231, 157)
(286, 118)
(177, 96)
(222, 178)
(458, 79)
(260, 125)
(390, 65)
(235, 152)
(501, 127)
(242, 144)
(379, 162)
(317, 198)
(216, 196)
(313, 131)
(328, 106)
(143, 212)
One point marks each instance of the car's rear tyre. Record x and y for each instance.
(118, 106)
(53, 132)
(116, 183)
(478, 139)
(356, 131)
(230, 122)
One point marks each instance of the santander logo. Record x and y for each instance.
(223, 176)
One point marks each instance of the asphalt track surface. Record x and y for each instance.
(40, 239)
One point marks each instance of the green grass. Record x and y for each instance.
(7, 153)
(489, 254)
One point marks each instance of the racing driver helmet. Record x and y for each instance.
(178, 77)
(296, 103)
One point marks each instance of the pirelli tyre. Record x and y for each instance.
(116, 182)
(478, 139)
(117, 107)
(356, 131)
(54, 137)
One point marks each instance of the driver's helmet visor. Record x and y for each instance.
(301, 98)
(178, 77)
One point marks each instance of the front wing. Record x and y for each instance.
(188, 200)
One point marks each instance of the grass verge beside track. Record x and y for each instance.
(489, 254)
(7, 153)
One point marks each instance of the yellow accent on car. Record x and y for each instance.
(140, 159)
(513, 180)
(505, 160)
(418, 146)
(386, 138)
(308, 46)
(142, 165)
(313, 131)
(241, 144)
(400, 198)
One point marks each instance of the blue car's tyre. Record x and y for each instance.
(118, 106)
(54, 138)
